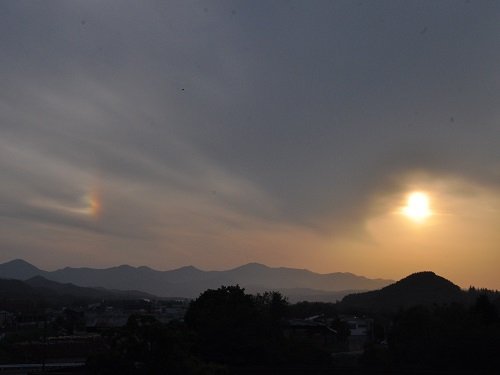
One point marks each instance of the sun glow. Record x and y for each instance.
(417, 207)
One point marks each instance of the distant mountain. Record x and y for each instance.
(19, 269)
(40, 282)
(421, 288)
(190, 282)
(40, 289)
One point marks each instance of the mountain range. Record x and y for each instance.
(189, 282)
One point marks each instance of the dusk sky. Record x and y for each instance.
(217, 133)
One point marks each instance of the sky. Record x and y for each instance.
(217, 133)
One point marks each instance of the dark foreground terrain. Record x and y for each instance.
(422, 324)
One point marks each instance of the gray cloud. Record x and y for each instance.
(239, 113)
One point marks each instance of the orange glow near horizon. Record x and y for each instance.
(454, 233)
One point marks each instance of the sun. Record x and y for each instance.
(417, 207)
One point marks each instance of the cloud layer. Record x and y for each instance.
(224, 132)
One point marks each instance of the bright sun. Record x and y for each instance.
(417, 207)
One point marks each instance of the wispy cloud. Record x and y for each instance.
(181, 126)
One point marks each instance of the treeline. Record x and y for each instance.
(450, 338)
(224, 330)
(227, 330)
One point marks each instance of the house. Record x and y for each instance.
(313, 330)
(361, 331)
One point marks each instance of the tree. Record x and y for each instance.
(235, 327)
(146, 346)
(484, 310)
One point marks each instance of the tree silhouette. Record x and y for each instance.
(235, 327)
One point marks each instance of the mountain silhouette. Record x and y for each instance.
(16, 289)
(40, 282)
(19, 269)
(421, 288)
(190, 281)
(39, 288)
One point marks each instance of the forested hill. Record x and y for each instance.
(421, 288)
